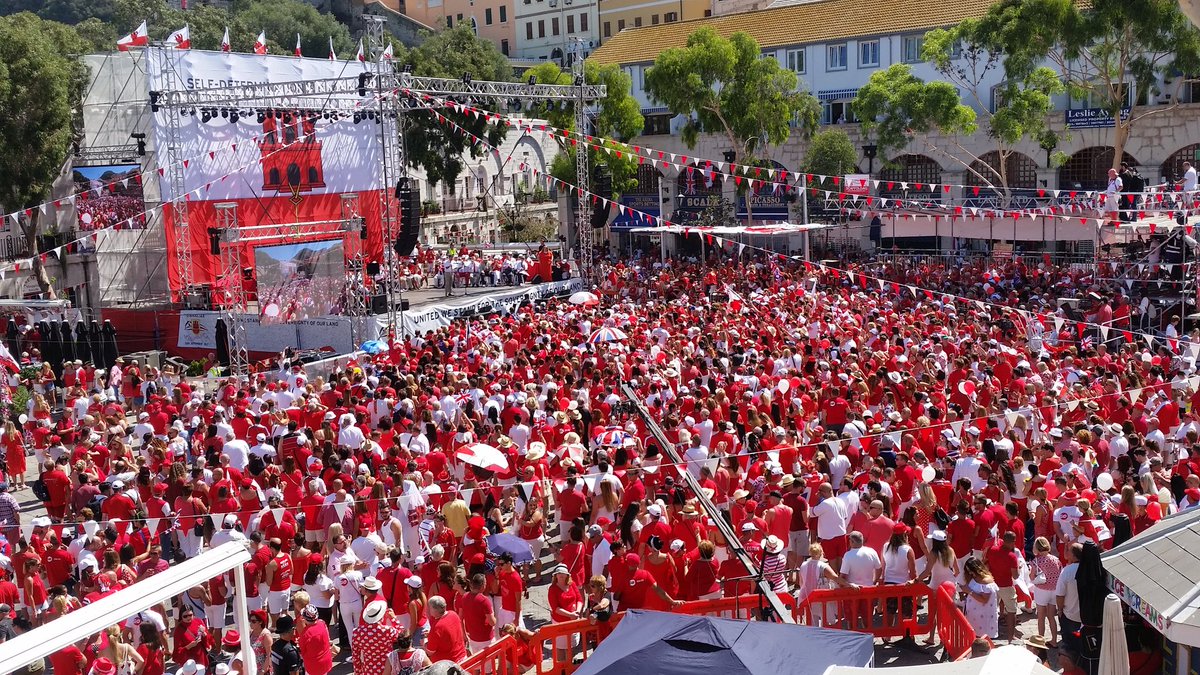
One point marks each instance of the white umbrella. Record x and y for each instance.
(1114, 651)
(483, 456)
(584, 298)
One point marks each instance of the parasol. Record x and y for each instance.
(483, 456)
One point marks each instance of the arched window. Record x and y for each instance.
(1020, 170)
(273, 177)
(911, 169)
(1173, 167)
(1088, 168)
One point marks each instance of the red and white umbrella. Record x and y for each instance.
(606, 334)
(584, 298)
(612, 436)
(483, 456)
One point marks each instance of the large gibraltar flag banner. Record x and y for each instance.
(285, 168)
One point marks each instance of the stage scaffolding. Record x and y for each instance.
(386, 92)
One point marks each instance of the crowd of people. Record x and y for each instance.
(467, 268)
(110, 211)
(874, 424)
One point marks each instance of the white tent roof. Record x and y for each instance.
(1007, 660)
(764, 229)
(93, 618)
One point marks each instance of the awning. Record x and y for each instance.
(764, 229)
(837, 94)
(1157, 574)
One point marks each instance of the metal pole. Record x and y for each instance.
(242, 620)
(764, 587)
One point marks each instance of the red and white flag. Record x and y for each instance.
(736, 302)
(180, 39)
(225, 46)
(387, 53)
(260, 43)
(297, 52)
(362, 56)
(138, 38)
(332, 54)
(6, 359)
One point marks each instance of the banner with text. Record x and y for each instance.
(425, 319)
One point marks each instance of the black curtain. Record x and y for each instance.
(83, 350)
(66, 341)
(12, 339)
(1092, 591)
(94, 340)
(53, 350)
(110, 343)
(222, 335)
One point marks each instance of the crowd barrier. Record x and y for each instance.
(953, 629)
(881, 611)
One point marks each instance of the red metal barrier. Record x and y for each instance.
(882, 611)
(502, 658)
(953, 629)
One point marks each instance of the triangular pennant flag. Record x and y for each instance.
(152, 523)
(216, 519)
(957, 426)
(277, 513)
(339, 508)
(1072, 405)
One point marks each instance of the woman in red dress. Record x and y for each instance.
(14, 455)
(662, 567)
(191, 638)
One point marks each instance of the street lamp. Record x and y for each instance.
(869, 151)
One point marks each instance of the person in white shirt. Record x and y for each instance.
(967, 467)
(237, 450)
(1067, 592)
(696, 457)
(861, 565)
(832, 517)
(262, 449)
(1189, 177)
(350, 435)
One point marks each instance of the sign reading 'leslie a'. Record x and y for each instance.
(1093, 118)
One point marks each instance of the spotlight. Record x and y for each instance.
(141, 143)
(363, 78)
(532, 80)
(225, 113)
(466, 79)
(154, 101)
(357, 117)
(233, 116)
(407, 68)
(205, 116)
(261, 117)
(578, 80)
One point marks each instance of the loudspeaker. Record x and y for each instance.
(379, 304)
(604, 190)
(410, 221)
(373, 269)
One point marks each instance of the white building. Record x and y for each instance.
(834, 46)
(550, 30)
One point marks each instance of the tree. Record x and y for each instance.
(436, 147)
(40, 91)
(728, 88)
(282, 20)
(1098, 48)
(830, 153)
(618, 116)
(896, 105)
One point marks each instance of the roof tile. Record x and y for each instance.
(822, 21)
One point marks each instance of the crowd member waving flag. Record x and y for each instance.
(138, 38)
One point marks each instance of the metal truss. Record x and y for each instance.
(232, 289)
(173, 171)
(104, 155)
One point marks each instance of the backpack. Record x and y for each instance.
(40, 490)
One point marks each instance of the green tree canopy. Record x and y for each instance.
(729, 89)
(40, 91)
(436, 147)
(618, 116)
(831, 153)
(1098, 48)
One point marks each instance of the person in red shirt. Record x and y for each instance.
(961, 532)
(445, 641)
(1003, 562)
(479, 619)
(58, 484)
(636, 593)
(70, 661)
(312, 639)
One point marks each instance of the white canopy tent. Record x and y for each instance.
(1006, 660)
(93, 618)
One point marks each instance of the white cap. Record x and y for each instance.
(654, 510)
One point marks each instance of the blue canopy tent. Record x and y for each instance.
(676, 644)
